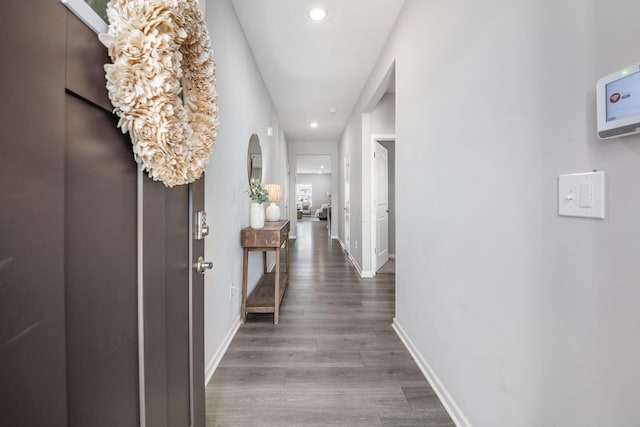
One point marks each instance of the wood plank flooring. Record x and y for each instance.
(333, 359)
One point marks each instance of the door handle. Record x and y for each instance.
(201, 265)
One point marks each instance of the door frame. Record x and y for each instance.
(313, 149)
(383, 137)
(346, 204)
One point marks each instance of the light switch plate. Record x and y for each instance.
(581, 195)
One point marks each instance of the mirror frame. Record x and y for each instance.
(252, 139)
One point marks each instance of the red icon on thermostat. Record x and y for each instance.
(614, 98)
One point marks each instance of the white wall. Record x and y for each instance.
(245, 108)
(312, 148)
(524, 317)
(320, 185)
(383, 116)
(350, 147)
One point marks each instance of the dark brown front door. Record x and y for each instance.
(173, 293)
(100, 309)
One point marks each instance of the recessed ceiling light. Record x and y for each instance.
(318, 14)
(332, 110)
(321, 166)
(314, 124)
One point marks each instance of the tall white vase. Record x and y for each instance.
(257, 215)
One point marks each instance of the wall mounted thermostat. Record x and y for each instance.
(202, 229)
(581, 195)
(618, 103)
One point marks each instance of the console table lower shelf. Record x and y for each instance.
(262, 300)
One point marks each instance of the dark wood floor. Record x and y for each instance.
(333, 359)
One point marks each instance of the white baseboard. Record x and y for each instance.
(217, 357)
(292, 237)
(392, 256)
(449, 404)
(355, 264)
(362, 274)
(335, 237)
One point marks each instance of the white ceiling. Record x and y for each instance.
(313, 164)
(309, 66)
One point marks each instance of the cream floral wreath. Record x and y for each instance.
(155, 45)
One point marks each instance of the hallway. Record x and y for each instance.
(333, 359)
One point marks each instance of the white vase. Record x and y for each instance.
(273, 212)
(257, 215)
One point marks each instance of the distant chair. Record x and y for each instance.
(323, 212)
(304, 207)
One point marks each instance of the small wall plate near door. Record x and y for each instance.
(581, 195)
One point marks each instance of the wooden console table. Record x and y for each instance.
(267, 296)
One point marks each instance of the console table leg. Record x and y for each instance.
(276, 299)
(245, 267)
(286, 257)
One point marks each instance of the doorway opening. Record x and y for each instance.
(313, 189)
(379, 208)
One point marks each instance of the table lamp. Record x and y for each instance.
(275, 195)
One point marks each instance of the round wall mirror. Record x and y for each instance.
(254, 158)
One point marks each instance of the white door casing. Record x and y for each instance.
(381, 204)
(347, 174)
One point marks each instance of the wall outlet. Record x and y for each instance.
(232, 291)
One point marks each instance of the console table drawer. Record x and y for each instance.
(272, 235)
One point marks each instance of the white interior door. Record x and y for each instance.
(347, 198)
(381, 204)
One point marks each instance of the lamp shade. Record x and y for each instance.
(275, 195)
